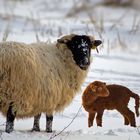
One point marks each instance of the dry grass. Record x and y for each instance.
(118, 3)
(135, 25)
(98, 24)
(83, 7)
(121, 41)
(6, 33)
(36, 26)
(138, 129)
(118, 21)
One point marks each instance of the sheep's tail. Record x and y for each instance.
(137, 102)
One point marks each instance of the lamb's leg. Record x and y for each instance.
(91, 118)
(49, 121)
(10, 120)
(129, 115)
(99, 118)
(126, 121)
(36, 123)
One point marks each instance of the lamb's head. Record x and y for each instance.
(80, 46)
(99, 89)
(93, 91)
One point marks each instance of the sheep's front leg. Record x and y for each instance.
(36, 126)
(91, 118)
(49, 121)
(10, 120)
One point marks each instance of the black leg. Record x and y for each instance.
(49, 120)
(10, 120)
(36, 123)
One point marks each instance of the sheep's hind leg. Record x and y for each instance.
(10, 120)
(36, 123)
(49, 121)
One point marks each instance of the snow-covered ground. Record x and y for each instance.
(118, 60)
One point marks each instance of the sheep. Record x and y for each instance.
(98, 96)
(42, 77)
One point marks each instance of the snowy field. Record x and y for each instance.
(118, 60)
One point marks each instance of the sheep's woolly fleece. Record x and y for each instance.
(37, 78)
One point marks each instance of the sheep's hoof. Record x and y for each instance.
(37, 129)
(8, 130)
(49, 130)
(9, 127)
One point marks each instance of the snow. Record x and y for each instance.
(118, 60)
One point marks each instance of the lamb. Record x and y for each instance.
(98, 96)
(42, 77)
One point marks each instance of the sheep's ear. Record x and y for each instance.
(65, 39)
(96, 43)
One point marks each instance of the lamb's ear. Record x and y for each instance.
(93, 88)
(104, 83)
(65, 39)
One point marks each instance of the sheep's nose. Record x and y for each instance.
(85, 62)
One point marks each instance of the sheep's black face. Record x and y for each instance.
(81, 48)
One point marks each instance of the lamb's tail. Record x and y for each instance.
(137, 102)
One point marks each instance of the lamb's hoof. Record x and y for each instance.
(126, 123)
(37, 129)
(99, 125)
(133, 125)
(90, 125)
(49, 130)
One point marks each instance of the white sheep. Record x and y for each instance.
(42, 77)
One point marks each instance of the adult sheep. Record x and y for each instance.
(42, 77)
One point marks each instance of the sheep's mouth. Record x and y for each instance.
(84, 63)
(84, 67)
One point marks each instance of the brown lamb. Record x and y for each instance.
(98, 96)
